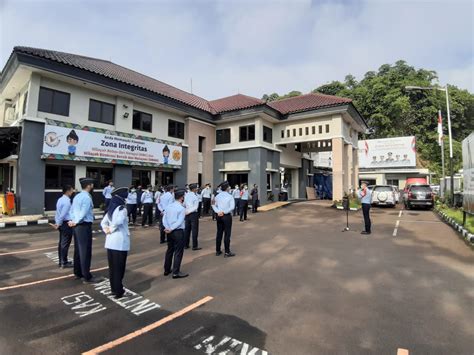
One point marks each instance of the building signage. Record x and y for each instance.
(66, 141)
(387, 153)
(322, 159)
(468, 172)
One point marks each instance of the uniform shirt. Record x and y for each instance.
(119, 238)
(367, 198)
(165, 200)
(191, 202)
(199, 196)
(157, 197)
(245, 194)
(132, 198)
(236, 193)
(107, 192)
(173, 217)
(81, 209)
(147, 197)
(63, 209)
(206, 193)
(224, 202)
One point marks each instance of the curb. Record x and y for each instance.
(463, 233)
(33, 223)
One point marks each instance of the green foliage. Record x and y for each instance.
(457, 215)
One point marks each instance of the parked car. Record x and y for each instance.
(412, 181)
(419, 196)
(383, 195)
(396, 191)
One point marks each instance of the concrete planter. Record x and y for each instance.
(463, 232)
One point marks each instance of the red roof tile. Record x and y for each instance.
(307, 102)
(117, 72)
(235, 102)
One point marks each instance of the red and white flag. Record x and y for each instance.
(440, 128)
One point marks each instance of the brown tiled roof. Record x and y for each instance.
(116, 72)
(307, 102)
(235, 102)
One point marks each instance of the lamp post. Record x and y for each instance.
(445, 89)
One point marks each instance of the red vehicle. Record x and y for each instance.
(412, 181)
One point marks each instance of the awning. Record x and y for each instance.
(9, 139)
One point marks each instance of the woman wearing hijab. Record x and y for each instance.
(117, 240)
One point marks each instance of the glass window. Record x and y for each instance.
(201, 144)
(53, 101)
(294, 132)
(267, 134)
(306, 130)
(247, 133)
(320, 128)
(102, 176)
(282, 133)
(223, 136)
(301, 131)
(142, 121)
(327, 128)
(314, 129)
(57, 176)
(287, 133)
(101, 112)
(176, 129)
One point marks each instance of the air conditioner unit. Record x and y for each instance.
(10, 115)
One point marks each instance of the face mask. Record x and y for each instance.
(132, 190)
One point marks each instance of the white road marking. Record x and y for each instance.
(400, 214)
(395, 231)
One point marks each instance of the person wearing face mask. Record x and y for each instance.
(254, 195)
(81, 221)
(147, 201)
(166, 199)
(132, 205)
(191, 203)
(236, 196)
(223, 206)
(61, 218)
(244, 202)
(173, 221)
(117, 239)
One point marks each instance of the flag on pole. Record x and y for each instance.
(440, 128)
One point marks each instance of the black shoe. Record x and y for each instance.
(77, 277)
(197, 248)
(166, 273)
(229, 255)
(364, 232)
(66, 266)
(162, 241)
(218, 253)
(92, 280)
(180, 276)
(186, 247)
(119, 295)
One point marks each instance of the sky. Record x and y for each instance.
(251, 47)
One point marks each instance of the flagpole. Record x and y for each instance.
(443, 191)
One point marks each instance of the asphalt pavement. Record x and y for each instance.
(298, 285)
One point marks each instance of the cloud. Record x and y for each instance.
(252, 47)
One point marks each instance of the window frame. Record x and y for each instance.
(247, 137)
(102, 105)
(51, 109)
(99, 173)
(268, 131)
(327, 128)
(60, 183)
(220, 139)
(201, 141)
(320, 129)
(141, 114)
(176, 126)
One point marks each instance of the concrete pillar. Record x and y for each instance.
(218, 164)
(355, 164)
(257, 175)
(123, 175)
(337, 168)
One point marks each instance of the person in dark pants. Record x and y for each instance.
(236, 196)
(61, 218)
(117, 239)
(244, 202)
(254, 194)
(206, 199)
(223, 206)
(107, 196)
(191, 204)
(199, 195)
(365, 196)
(147, 202)
(81, 221)
(132, 205)
(166, 199)
(139, 200)
(173, 220)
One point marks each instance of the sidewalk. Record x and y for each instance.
(25, 220)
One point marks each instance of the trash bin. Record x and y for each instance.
(10, 203)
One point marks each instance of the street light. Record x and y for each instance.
(445, 89)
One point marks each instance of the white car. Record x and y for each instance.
(383, 195)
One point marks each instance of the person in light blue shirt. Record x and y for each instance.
(236, 195)
(117, 239)
(61, 218)
(191, 203)
(166, 199)
(223, 206)
(107, 193)
(244, 202)
(147, 202)
(173, 222)
(82, 217)
(365, 196)
(132, 198)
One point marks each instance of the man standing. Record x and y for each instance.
(107, 192)
(158, 193)
(147, 202)
(191, 203)
(139, 200)
(61, 218)
(236, 196)
(223, 206)
(165, 200)
(132, 205)
(254, 194)
(173, 220)
(199, 195)
(206, 199)
(365, 196)
(81, 221)
(244, 202)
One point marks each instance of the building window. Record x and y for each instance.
(101, 112)
(267, 134)
(282, 133)
(320, 129)
(102, 176)
(176, 129)
(223, 136)
(53, 101)
(314, 129)
(288, 133)
(301, 131)
(59, 175)
(247, 133)
(142, 121)
(393, 182)
(199, 179)
(294, 132)
(25, 99)
(201, 144)
(327, 128)
(306, 130)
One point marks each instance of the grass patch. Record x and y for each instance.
(456, 214)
